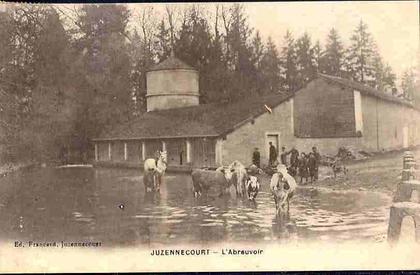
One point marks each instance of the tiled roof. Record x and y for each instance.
(196, 121)
(208, 120)
(171, 63)
(365, 89)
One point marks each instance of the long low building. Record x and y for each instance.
(329, 112)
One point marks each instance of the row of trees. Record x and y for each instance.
(68, 74)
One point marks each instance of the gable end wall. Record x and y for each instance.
(324, 110)
(239, 144)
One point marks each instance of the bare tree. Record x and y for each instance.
(170, 10)
(147, 19)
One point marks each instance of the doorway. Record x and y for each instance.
(177, 152)
(203, 152)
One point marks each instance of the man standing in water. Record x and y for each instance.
(272, 154)
(294, 161)
(256, 158)
(294, 157)
(317, 161)
(283, 156)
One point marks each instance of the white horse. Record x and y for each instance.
(154, 170)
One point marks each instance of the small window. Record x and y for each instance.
(396, 133)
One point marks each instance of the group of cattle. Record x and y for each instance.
(223, 178)
(218, 182)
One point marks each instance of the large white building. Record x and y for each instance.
(329, 112)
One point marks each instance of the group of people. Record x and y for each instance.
(304, 165)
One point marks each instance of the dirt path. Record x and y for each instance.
(378, 173)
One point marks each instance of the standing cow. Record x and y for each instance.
(253, 183)
(239, 178)
(205, 181)
(282, 186)
(252, 187)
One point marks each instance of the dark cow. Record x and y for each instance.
(252, 187)
(205, 181)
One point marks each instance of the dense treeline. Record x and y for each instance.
(67, 74)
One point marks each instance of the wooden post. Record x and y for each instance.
(219, 152)
(163, 145)
(96, 152)
(125, 150)
(109, 151)
(143, 150)
(188, 151)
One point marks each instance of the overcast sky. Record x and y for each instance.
(394, 25)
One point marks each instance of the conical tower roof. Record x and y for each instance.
(171, 63)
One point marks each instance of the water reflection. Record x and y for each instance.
(110, 205)
(284, 230)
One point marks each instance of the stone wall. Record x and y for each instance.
(170, 101)
(392, 117)
(327, 146)
(382, 129)
(324, 110)
(240, 144)
(168, 89)
(383, 124)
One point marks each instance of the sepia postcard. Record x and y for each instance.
(165, 137)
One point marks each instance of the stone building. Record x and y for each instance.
(171, 84)
(332, 112)
(329, 112)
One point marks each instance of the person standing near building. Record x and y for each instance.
(272, 154)
(256, 157)
(294, 156)
(294, 161)
(317, 156)
(303, 168)
(283, 156)
(312, 166)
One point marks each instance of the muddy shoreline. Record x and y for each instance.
(379, 173)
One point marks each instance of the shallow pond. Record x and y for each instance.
(109, 205)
